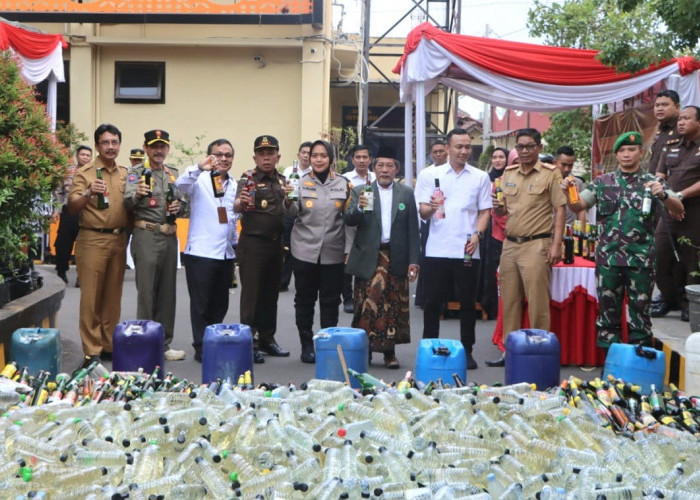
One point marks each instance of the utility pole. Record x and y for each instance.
(487, 112)
(363, 107)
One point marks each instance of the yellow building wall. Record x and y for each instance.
(213, 87)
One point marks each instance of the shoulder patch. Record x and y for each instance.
(549, 166)
(512, 167)
(673, 141)
(132, 178)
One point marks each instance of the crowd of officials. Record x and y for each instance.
(359, 238)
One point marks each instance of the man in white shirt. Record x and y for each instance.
(467, 203)
(426, 183)
(361, 160)
(212, 235)
(303, 169)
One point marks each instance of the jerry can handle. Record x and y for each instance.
(642, 353)
(441, 351)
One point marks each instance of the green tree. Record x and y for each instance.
(571, 128)
(32, 164)
(630, 34)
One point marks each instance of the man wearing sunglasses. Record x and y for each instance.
(531, 193)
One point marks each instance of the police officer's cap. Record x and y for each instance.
(628, 139)
(157, 135)
(266, 141)
(136, 154)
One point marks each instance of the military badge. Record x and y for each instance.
(132, 179)
(152, 202)
(263, 204)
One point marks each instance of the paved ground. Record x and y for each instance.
(282, 370)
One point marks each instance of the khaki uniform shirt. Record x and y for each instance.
(115, 216)
(530, 198)
(318, 235)
(151, 208)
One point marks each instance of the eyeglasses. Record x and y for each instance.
(227, 156)
(107, 142)
(526, 147)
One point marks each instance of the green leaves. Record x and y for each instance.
(631, 34)
(32, 163)
(571, 128)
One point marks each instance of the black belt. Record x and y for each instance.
(384, 246)
(116, 230)
(524, 239)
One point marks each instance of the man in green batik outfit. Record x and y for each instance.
(625, 253)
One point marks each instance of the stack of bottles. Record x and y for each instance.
(110, 435)
(579, 241)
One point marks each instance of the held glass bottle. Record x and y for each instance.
(294, 181)
(467, 256)
(250, 189)
(498, 191)
(102, 198)
(440, 197)
(584, 242)
(646, 202)
(592, 240)
(369, 196)
(169, 198)
(572, 190)
(147, 178)
(217, 183)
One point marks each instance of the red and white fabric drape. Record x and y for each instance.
(40, 56)
(523, 76)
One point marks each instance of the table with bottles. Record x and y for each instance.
(573, 310)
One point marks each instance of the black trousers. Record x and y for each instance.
(288, 264)
(312, 281)
(490, 258)
(440, 271)
(207, 283)
(671, 276)
(348, 297)
(260, 261)
(67, 233)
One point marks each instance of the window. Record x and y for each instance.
(139, 82)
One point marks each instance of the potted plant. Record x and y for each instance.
(32, 165)
(693, 291)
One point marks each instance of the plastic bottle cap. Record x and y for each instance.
(268, 394)
(224, 454)
(233, 476)
(342, 432)
(341, 407)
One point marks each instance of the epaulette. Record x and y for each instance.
(511, 167)
(673, 141)
(548, 165)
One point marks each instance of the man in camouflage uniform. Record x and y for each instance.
(625, 252)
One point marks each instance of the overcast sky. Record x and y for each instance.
(504, 19)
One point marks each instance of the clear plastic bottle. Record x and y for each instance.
(213, 480)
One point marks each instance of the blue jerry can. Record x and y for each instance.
(642, 366)
(37, 349)
(533, 356)
(138, 343)
(355, 345)
(227, 352)
(440, 358)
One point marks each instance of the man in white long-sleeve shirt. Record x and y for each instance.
(212, 235)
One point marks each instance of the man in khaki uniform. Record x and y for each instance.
(531, 193)
(101, 245)
(154, 244)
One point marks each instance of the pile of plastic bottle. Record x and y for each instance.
(97, 435)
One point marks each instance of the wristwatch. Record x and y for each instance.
(679, 195)
(480, 235)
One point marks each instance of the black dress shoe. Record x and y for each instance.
(659, 310)
(273, 349)
(63, 276)
(497, 362)
(308, 356)
(106, 356)
(349, 307)
(258, 357)
(471, 362)
(198, 357)
(685, 314)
